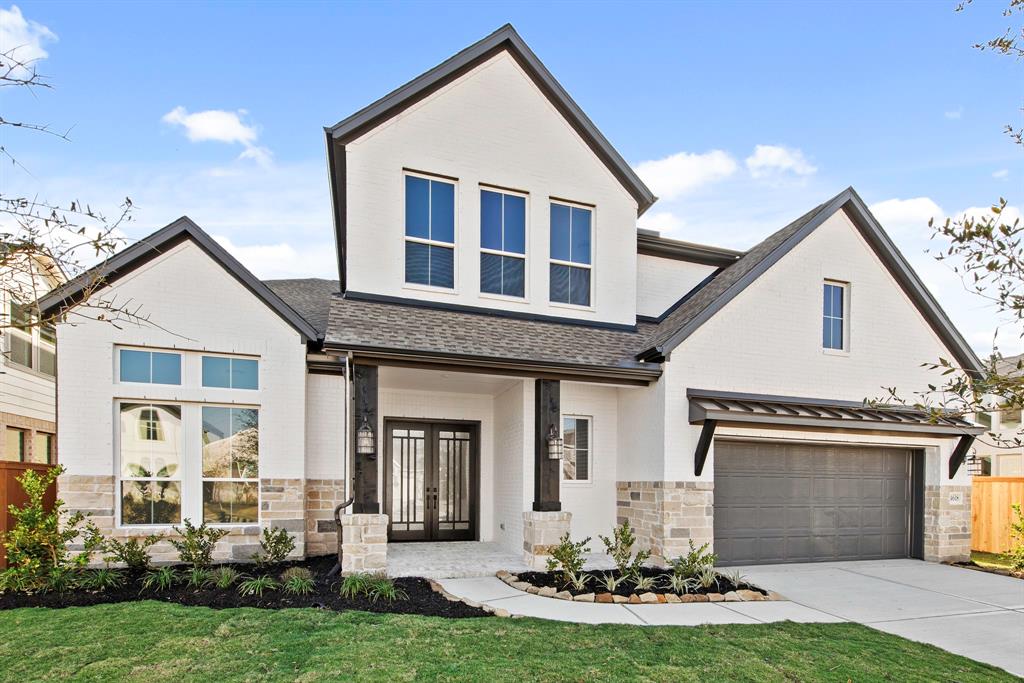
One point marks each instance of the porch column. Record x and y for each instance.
(546, 472)
(364, 395)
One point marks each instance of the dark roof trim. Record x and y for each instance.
(505, 38)
(160, 242)
(732, 407)
(682, 300)
(529, 368)
(492, 312)
(858, 212)
(649, 244)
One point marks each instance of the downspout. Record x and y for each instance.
(336, 569)
(348, 426)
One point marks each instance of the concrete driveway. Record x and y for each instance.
(967, 612)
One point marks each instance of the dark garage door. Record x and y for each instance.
(805, 503)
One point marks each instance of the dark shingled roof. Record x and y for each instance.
(310, 297)
(356, 323)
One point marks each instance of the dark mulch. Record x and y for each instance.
(626, 588)
(422, 598)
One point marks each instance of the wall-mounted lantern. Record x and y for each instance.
(975, 465)
(555, 444)
(364, 439)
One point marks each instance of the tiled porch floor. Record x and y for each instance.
(461, 559)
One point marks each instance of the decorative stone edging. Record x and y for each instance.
(648, 598)
(496, 611)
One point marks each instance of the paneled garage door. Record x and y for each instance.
(806, 503)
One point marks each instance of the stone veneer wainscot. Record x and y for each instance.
(665, 515)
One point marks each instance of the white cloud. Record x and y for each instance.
(1009, 216)
(281, 260)
(907, 215)
(955, 114)
(769, 160)
(679, 173)
(25, 37)
(665, 222)
(218, 125)
(1001, 173)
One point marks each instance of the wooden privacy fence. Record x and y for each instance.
(991, 498)
(11, 493)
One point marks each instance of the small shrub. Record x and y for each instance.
(297, 580)
(734, 577)
(355, 585)
(383, 588)
(37, 542)
(644, 583)
(275, 545)
(257, 585)
(691, 563)
(61, 579)
(707, 577)
(611, 582)
(160, 579)
(102, 579)
(222, 577)
(133, 553)
(196, 578)
(567, 558)
(579, 582)
(681, 585)
(620, 547)
(195, 547)
(1016, 551)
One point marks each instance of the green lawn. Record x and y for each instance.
(990, 560)
(152, 641)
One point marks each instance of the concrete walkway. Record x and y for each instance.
(970, 613)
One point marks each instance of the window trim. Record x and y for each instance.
(589, 481)
(845, 287)
(33, 336)
(454, 182)
(524, 257)
(230, 357)
(572, 264)
(252, 480)
(150, 350)
(118, 461)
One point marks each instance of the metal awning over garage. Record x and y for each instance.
(709, 407)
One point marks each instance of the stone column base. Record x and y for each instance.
(322, 495)
(665, 515)
(541, 531)
(364, 543)
(947, 524)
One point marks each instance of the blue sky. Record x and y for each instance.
(740, 116)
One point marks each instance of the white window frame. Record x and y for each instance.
(573, 264)
(150, 350)
(119, 478)
(590, 450)
(33, 337)
(845, 287)
(230, 357)
(525, 298)
(256, 480)
(437, 243)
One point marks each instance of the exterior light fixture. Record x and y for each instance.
(364, 439)
(975, 465)
(554, 444)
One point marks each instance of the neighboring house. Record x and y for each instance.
(1001, 449)
(506, 357)
(28, 363)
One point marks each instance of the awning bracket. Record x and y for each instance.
(707, 432)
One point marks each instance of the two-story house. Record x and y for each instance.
(505, 357)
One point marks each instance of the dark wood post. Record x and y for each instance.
(364, 394)
(547, 475)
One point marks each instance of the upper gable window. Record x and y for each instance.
(834, 316)
(230, 373)
(571, 268)
(429, 232)
(149, 367)
(502, 243)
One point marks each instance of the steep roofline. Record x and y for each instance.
(505, 38)
(849, 201)
(157, 244)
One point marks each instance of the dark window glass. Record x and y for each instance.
(490, 273)
(515, 224)
(513, 276)
(560, 218)
(244, 373)
(576, 456)
(216, 372)
(490, 220)
(442, 211)
(559, 283)
(442, 267)
(580, 252)
(417, 207)
(166, 368)
(417, 263)
(135, 366)
(579, 286)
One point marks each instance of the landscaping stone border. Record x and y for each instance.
(648, 598)
(496, 611)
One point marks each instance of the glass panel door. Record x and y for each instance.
(407, 463)
(454, 477)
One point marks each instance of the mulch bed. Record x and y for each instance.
(626, 588)
(990, 570)
(422, 600)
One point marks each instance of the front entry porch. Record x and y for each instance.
(452, 559)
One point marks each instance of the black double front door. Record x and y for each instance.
(431, 480)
